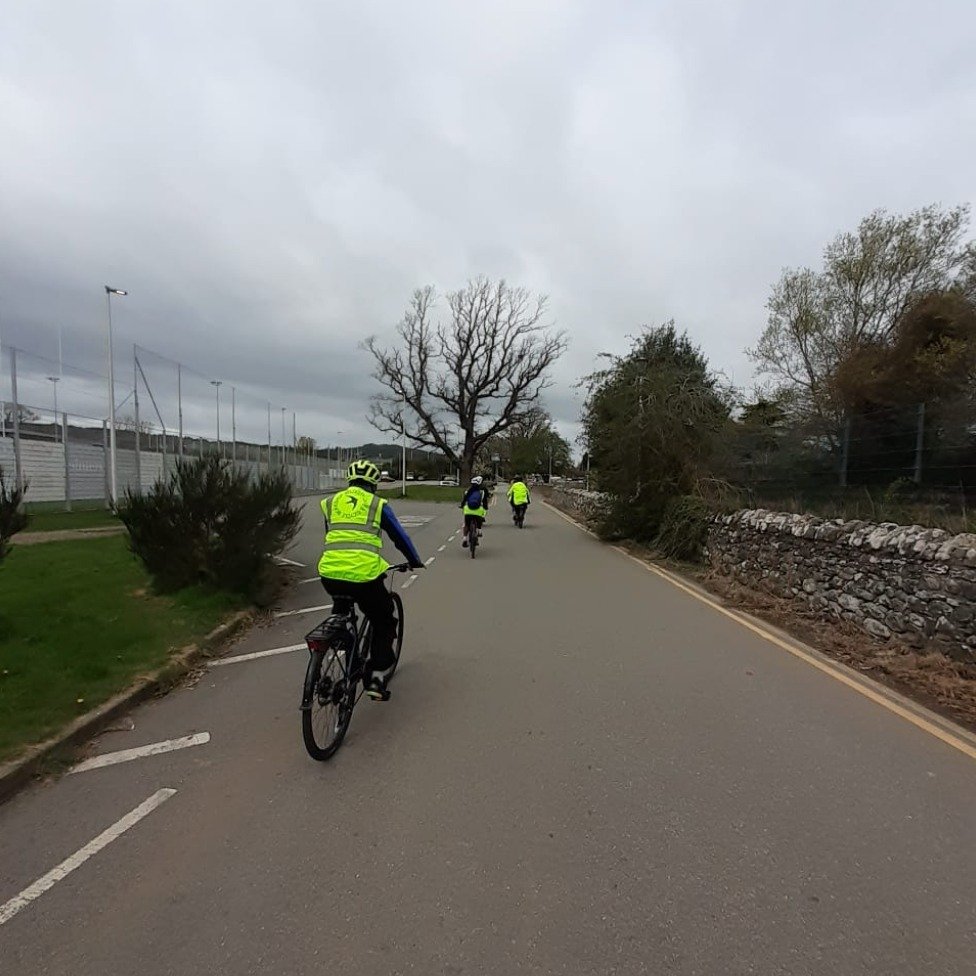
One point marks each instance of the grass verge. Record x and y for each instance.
(424, 493)
(78, 624)
(60, 521)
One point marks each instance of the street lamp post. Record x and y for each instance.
(54, 382)
(233, 423)
(216, 385)
(283, 456)
(113, 478)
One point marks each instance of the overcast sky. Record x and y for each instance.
(270, 181)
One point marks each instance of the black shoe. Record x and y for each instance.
(464, 543)
(376, 689)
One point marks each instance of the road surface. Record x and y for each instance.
(583, 770)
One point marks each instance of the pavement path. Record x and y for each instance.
(583, 770)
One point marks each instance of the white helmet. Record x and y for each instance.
(477, 481)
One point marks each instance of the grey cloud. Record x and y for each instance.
(271, 183)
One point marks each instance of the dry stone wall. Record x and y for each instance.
(903, 581)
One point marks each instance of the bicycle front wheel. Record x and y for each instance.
(327, 702)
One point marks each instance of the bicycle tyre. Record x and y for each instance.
(473, 540)
(309, 697)
(398, 640)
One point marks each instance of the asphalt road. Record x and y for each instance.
(583, 770)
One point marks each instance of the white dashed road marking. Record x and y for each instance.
(49, 880)
(155, 749)
(295, 613)
(221, 661)
(409, 582)
(429, 561)
(289, 562)
(442, 548)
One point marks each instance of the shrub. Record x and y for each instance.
(684, 529)
(638, 518)
(13, 518)
(208, 524)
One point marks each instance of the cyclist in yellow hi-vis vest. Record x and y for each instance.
(518, 497)
(352, 565)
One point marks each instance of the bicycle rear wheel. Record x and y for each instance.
(398, 639)
(473, 539)
(328, 698)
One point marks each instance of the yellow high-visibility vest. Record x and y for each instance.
(353, 541)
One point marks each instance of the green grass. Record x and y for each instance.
(424, 493)
(55, 521)
(77, 624)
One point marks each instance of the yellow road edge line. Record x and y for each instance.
(830, 669)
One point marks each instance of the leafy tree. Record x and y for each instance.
(651, 422)
(479, 373)
(870, 279)
(527, 446)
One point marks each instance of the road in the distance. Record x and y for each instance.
(583, 771)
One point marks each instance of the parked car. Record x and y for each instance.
(448, 483)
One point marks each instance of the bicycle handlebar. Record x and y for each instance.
(404, 568)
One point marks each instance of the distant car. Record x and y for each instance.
(448, 483)
(411, 477)
(385, 476)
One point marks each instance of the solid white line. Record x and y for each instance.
(429, 561)
(155, 749)
(221, 661)
(49, 880)
(289, 562)
(294, 613)
(442, 548)
(409, 582)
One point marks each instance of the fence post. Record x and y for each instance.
(919, 443)
(105, 465)
(67, 466)
(18, 468)
(845, 451)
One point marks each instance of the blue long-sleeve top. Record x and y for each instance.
(398, 536)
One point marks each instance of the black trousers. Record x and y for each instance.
(476, 520)
(376, 603)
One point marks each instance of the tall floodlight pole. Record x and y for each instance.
(113, 482)
(54, 382)
(216, 385)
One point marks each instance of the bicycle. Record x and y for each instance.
(518, 516)
(473, 534)
(338, 661)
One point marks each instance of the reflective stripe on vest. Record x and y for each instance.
(352, 550)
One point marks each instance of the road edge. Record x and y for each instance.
(938, 726)
(17, 773)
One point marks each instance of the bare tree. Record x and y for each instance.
(480, 373)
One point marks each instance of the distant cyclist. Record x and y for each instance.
(352, 566)
(518, 497)
(474, 505)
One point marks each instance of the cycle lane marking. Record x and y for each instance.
(293, 613)
(76, 860)
(254, 655)
(139, 752)
(409, 582)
